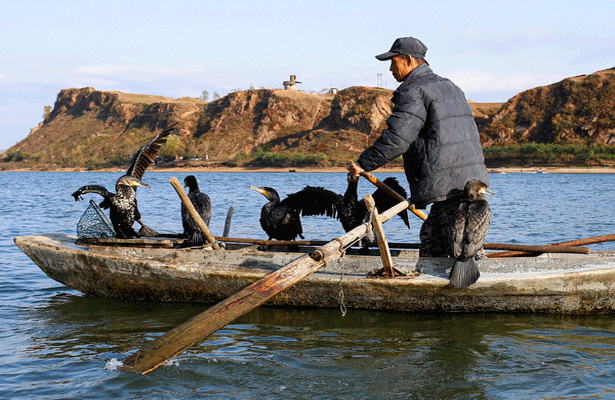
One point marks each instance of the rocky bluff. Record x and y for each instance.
(87, 127)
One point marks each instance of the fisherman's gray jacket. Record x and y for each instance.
(433, 128)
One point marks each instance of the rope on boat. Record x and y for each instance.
(343, 308)
(342, 251)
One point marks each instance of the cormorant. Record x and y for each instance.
(122, 205)
(202, 204)
(470, 227)
(278, 219)
(281, 219)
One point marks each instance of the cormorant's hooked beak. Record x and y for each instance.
(487, 191)
(137, 182)
(261, 190)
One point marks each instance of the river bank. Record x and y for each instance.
(198, 169)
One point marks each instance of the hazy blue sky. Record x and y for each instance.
(491, 49)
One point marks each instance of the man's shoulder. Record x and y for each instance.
(421, 76)
(427, 81)
(430, 78)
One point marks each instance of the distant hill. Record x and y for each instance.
(578, 110)
(90, 129)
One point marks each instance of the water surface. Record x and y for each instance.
(57, 343)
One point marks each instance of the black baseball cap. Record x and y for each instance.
(406, 46)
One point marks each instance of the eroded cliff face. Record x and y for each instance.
(242, 121)
(357, 108)
(575, 110)
(86, 124)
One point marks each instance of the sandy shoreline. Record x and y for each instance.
(553, 170)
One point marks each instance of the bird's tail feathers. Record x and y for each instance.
(464, 273)
(196, 239)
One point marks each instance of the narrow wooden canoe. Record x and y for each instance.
(550, 283)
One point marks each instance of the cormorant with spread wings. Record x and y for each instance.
(280, 219)
(122, 205)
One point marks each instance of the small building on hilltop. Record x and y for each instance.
(291, 84)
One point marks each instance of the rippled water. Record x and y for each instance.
(57, 343)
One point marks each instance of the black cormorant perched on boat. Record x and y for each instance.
(472, 221)
(279, 219)
(202, 204)
(122, 205)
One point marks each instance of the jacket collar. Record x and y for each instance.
(416, 73)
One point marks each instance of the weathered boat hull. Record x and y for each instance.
(568, 284)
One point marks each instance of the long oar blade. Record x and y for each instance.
(158, 351)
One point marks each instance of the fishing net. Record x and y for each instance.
(94, 224)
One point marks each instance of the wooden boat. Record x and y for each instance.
(161, 270)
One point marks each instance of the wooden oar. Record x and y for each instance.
(537, 249)
(578, 242)
(393, 193)
(163, 348)
(507, 246)
(193, 213)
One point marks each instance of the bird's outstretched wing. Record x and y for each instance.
(314, 200)
(384, 201)
(147, 153)
(101, 190)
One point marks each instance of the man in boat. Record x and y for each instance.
(433, 128)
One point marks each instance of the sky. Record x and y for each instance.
(491, 49)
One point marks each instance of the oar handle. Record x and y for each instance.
(393, 193)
